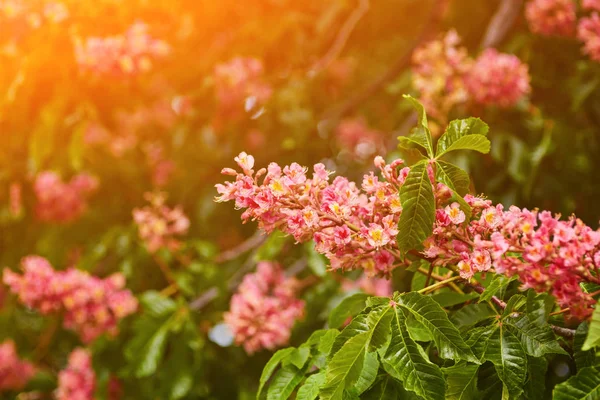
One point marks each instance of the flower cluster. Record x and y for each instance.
(588, 31)
(59, 201)
(126, 54)
(498, 79)
(53, 12)
(78, 380)
(14, 372)
(239, 84)
(158, 225)
(264, 309)
(356, 139)
(91, 306)
(591, 5)
(439, 69)
(551, 17)
(446, 76)
(355, 229)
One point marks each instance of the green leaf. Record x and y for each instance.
(271, 365)
(356, 327)
(368, 373)
(271, 247)
(316, 262)
(327, 341)
(348, 307)
(310, 389)
(472, 314)
(418, 203)
(421, 134)
(445, 335)
(539, 306)
(593, 336)
(385, 389)
(284, 382)
(478, 339)
(179, 379)
(452, 176)
(345, 367)
(298, 357)
(404, 361)
(464, 134)
(449, 299)
(417, 331)
(583, 386)
(535, 387)
(379, 321)
(582, 358)
(157, 305)
(153, 352)
(514, 305)
(505, 351)
(462, 382)
(498, 283)
(537, 340)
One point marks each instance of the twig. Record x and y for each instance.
(205, 298)
(429, 275)
(254, 241)
(333, 115)
(501, 22)
(439, 284)
(341, 38)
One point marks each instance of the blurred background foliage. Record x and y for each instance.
(184, 119)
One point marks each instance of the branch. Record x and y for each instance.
(396, 68)
(205, 298)
(341, 38)
(501, 22)
(254, 241)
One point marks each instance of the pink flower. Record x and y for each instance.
(78, 380)
(62, 202)
(264, 309)
(591, 5)
(14, 372)
(551, 17)
(374, 286)
(455, 214)
(498, 79)
(124, 54)
(158, 225)
(588, 32)
(91, 306)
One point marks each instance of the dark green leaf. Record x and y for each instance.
(421, 134)
(539, 306)
(356, 327)
(464, 134)
(535, 387)
(452, 176)
(385, 389)
(297, 358)
(404, 361)
(153, 352)
(593, 336)
(462, 382)
(348, 307)
(583, 386)
(515, 304)
(582, 358)
(379, 321)
(418, 203)
(537, 340)
(472, 314)
(445, 335)
(449, 299)
(368, 373)
(498, 283)
(156, 304)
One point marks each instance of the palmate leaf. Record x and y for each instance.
(385, 389)
(452, 176)
(583, 386)
(418, 203)
(368, 375)
(505, 351)
(462, 382)
(464, 134)
(582, 358)
(270, 367)
(498, 283)
(310, 389)
(535, 387)
(471, 314)
(349, 306)
(345, 367)
(284, 382)
(537, 340)
(420, 135)
(357, 326)
(379, 321)
(445, 335)
(404, 361)
(539, 306)
(593, 336)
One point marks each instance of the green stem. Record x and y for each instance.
(439, 284)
